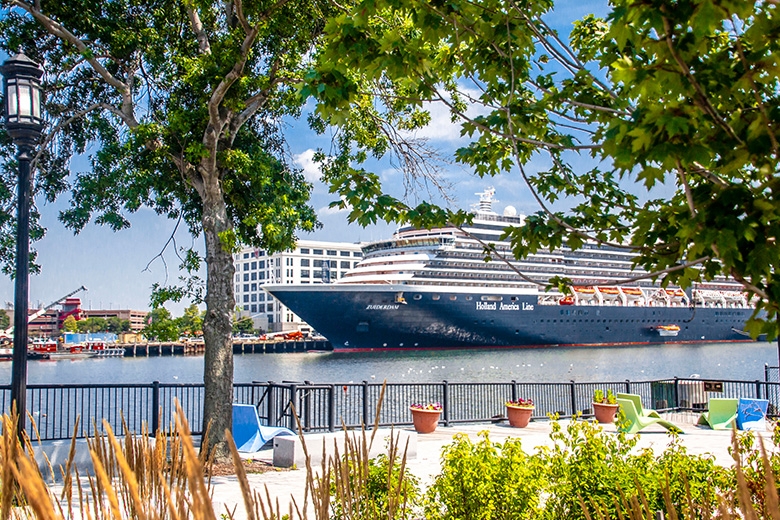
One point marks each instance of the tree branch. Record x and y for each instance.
(197, 28)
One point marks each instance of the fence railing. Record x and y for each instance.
(327, 407)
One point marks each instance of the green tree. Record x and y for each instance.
(678, 98)
(161, 326)
(70, 324)
(184, 103)
(191, 322)
(116, 325)
(243, 326)
(5, 320)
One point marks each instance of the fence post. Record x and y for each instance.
(628, 386)
(272, 389)
(573, 399)
(514, 390)
(766, 372)
(366, 422)
(446, 402)
(676, 393)
(332, 408)
(155, 407)
(758, 389)
(294, 408)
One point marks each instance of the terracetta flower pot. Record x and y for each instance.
(425, 421)
(605, 413)
(519, 417)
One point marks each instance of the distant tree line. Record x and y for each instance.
(162, 326)
(113, 324)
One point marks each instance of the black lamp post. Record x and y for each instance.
(23, 122)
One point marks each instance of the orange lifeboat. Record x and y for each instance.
(667, 330)
(609, 290)
(585, 290)
(633, 291)
(675, 292)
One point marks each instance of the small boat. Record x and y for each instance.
(89, 349)
(667, 330)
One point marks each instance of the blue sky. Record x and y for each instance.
(119, 268)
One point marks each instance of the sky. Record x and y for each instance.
(119, 268)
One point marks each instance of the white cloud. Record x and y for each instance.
(311, 169)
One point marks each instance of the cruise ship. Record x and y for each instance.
(433, 289)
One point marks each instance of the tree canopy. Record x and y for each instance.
(678, 98)
(180, 106)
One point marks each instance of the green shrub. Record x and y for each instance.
(485, 481)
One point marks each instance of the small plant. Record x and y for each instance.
(520, 403)
(429, 406)
(599, 397)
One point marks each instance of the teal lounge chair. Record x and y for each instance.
(637, 400)
(636, 421)
(721, 414)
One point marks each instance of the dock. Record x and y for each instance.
(176, 348)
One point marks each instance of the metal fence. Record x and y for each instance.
(57, 409)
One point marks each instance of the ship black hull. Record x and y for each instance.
(368, 317)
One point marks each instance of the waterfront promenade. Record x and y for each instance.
(284, 484)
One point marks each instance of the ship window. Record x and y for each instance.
(417, 296)
(491, 298)
(469, 298)
(435, 296)
(453, 297)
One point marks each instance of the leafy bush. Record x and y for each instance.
(485, 481)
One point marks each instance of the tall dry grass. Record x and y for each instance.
(165, 477)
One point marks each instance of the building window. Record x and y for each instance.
(344, 253)
(304, 262)
(318, 251)
(246, 266)
(331, 252)
(317, 274)
(304, 250)
(344, 265)
(261, 297)
(262, 264)
(246, 255)
(304, 273)
(358, 254)
(254, 308)
(254, 265)
(254, 286)
(318, 263)
(254, 298)
(254, 276)
(246, 277)
(269, 307)
(246, 287)
(246, 298)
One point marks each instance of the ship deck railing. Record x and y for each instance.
(56, 409)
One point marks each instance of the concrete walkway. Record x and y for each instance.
(284, 484)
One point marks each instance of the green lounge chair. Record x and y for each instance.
(637, 400)
(721, 414)
(637, 422)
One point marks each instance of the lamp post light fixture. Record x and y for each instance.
(23, 122)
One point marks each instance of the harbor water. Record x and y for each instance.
(725, 361)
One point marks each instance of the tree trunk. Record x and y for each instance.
(217, 324)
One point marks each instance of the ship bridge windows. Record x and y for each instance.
(491, 298)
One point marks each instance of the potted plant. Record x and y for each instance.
(604, 406)
(425, 417)
(519, 412)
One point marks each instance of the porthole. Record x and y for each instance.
(417, 297)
